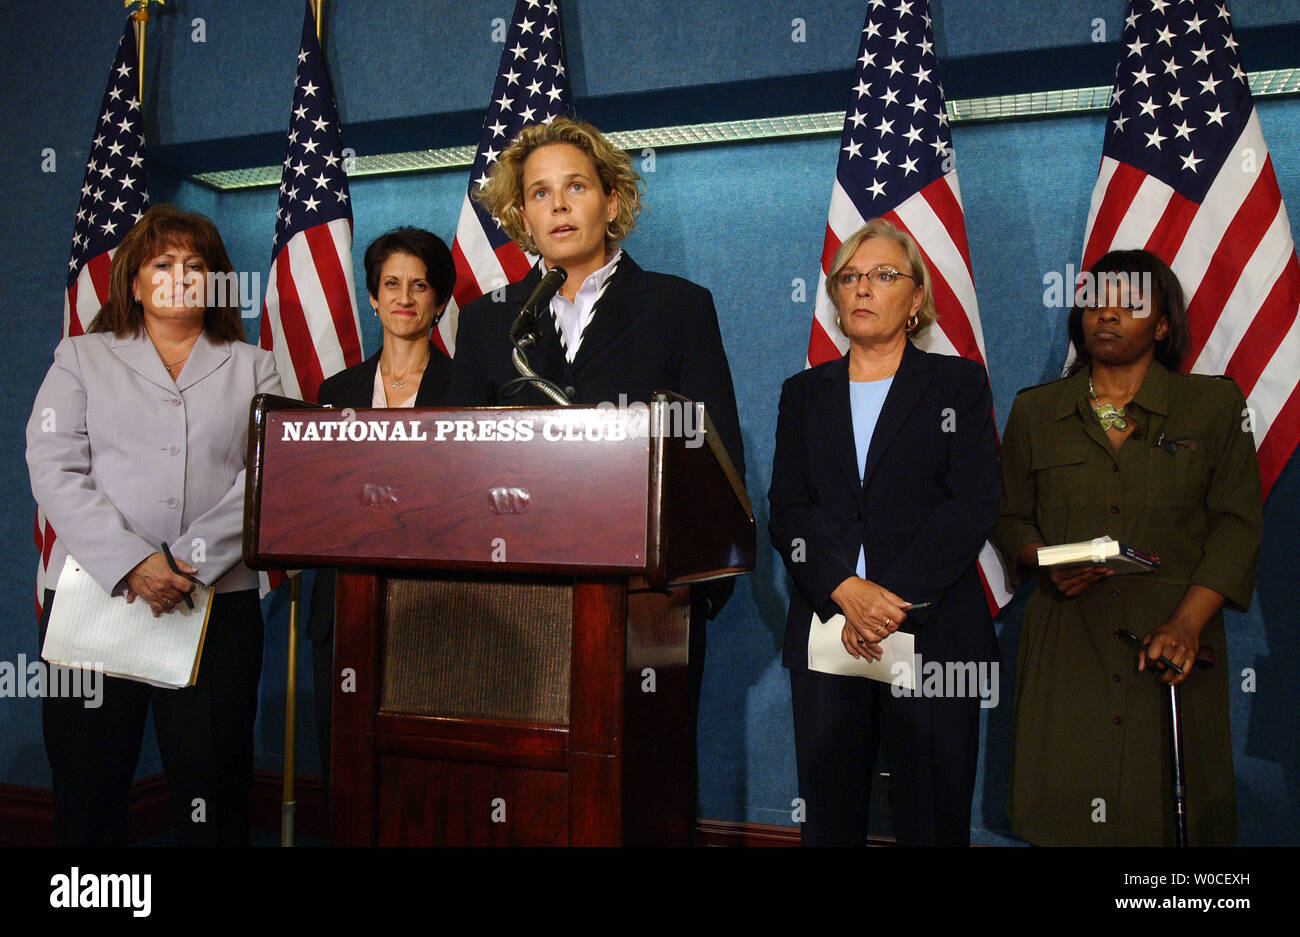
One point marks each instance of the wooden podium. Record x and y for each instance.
(510, 651)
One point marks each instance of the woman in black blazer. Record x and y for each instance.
(614, 333)
(884, 488)
(409, 277)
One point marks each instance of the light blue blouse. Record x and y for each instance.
(866, 400)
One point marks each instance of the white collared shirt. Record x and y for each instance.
(573, 316)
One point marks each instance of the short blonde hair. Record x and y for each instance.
(503, 195)
(880, 228)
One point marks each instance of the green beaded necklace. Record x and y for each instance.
(1108, 414)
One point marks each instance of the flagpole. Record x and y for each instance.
(288, 804)
(140, 18)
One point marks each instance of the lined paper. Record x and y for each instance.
(93, 630)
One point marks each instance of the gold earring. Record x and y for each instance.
(913, 321)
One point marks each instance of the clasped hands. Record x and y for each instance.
(153, 580)
(871, 614)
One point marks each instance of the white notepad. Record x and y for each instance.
(826, 654)
(93, 630)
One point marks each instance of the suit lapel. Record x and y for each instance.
(437, 375)
(910, 382)
(359, 386)
(138, 352)
(205, 357)
(836, 415)
(621, 303)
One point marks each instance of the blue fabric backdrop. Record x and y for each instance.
(745, 220)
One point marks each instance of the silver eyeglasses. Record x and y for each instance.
(876, 276)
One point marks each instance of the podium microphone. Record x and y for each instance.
(522, 327)
(523, 333)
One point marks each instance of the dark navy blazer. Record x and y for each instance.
(922, 512)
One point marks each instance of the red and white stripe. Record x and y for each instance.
(479, 270)
(309, 314)
(81, 301)
(1236, 260)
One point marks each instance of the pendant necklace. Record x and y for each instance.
(1107, 413)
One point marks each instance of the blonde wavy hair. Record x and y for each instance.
(880, 228)
(503, 195)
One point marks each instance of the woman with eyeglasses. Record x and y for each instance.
(884, 488)
(1129, 447)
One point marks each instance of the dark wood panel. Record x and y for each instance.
(736, 833)
(706, 528)
(657, 640)
(597, 659)
(358, 647)
(430, 802)
(657, 800)
(595, 800)
(481, 740)
(310, 812)
(25, 815)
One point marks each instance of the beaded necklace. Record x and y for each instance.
(1108, 414)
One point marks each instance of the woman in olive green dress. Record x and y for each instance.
(1127, 446)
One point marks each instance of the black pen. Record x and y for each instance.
(171, 561)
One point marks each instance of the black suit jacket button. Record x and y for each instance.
(857, 515)
(570, 391)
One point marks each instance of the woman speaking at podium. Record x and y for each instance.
(614, 330)
(138, 437)
(563, 191)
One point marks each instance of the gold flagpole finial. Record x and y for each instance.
(316, 7)
(141, 17)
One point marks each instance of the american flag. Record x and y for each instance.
(896, 162)
(1185, 173)
(114, 194)
(309, 315)
(532, 87)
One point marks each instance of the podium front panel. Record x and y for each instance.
(490, 488)
(480, 649)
